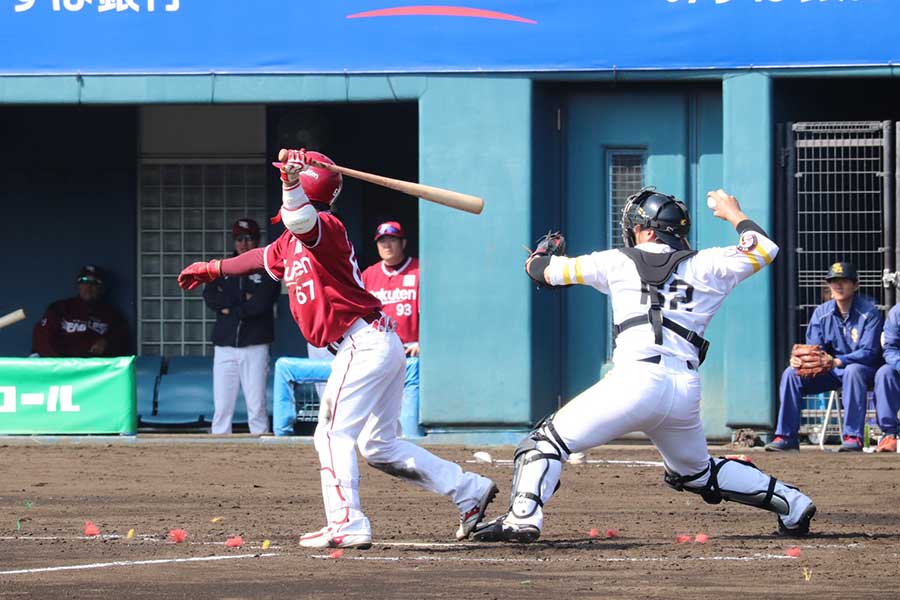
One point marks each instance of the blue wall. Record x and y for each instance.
(69, 198)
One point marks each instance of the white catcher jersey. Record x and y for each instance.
(690, 297)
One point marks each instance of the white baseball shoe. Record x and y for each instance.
(472, 517)
(325, 538)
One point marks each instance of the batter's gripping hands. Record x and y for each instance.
(809, 360)
(199, 272)
(290, 167)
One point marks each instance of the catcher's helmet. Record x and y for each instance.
(664, 214)
(319, 184)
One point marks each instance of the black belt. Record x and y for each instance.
(692, 337)
(369, 318)
(658, 359)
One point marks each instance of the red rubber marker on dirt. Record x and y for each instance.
(177, 535)
(701, 538)
(234, 542)
(793, 551)
(593, 533)
(682, 539)
(612, 533)
(337, 554)
(90, 529)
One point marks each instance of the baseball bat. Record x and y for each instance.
(457, 200)
(13, 317)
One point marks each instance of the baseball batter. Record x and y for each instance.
(663, 296)
(362, 399)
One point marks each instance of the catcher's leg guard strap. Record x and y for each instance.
(735, 481)
(536, 470)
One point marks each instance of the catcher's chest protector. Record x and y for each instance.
(654, 270)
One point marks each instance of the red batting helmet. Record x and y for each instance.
(320, 184)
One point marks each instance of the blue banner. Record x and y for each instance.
(376, 36)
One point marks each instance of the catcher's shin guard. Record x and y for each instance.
(743, 482)
(536, 471)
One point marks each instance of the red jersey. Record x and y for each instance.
(398, 290)
(71, 327)
(324, 283)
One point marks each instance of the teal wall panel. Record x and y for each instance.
(596, 123)
(746, 315)
(475, 137)
(706, 165)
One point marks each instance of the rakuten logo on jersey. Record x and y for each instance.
(300, 267)
(392, 296)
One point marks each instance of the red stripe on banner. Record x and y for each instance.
(441, 11)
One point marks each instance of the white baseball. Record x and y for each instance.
(482, 457)
(711, 202)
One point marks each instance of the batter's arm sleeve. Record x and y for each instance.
(588, 269)
(892, 338)
(263, 298)
(868, 352)
(44, 338)
(244, 264)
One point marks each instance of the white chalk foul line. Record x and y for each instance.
(544, 560)
(627, 463)
(131, 563)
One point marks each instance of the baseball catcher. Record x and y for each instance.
(663, 295)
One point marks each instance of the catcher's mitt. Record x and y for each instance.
(812, 360)
(549, 244)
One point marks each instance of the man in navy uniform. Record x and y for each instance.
(848, 328)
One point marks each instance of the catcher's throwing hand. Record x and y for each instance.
(199, 272)
(809, 360)
(549, 244)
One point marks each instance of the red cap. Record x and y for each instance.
(245, 226)
(392, 228)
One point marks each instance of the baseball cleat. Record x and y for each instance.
(324, 538)
(500, 531)
(471, 518)
(782, 444)
(801, 529)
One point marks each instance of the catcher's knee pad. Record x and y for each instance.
(536, 469)
(735, 481)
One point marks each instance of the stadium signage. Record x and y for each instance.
(67, 395)
(82, 37)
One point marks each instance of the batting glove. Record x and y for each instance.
(290, 169)
(199, 272)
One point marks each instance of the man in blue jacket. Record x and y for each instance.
(887, 383)
(848, 328)
(243, 331)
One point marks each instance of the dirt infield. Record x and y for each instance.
(264, 491)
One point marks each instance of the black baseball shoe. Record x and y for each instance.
(801, 529)
(499, 531)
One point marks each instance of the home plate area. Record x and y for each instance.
(223, 520)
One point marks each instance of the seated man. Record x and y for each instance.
(848, 328)
(83, 326)
(887, 383)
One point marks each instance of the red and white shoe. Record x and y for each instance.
(325, 538)
(472, 517)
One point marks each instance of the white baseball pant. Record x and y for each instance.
(361, 408)
(247, 367)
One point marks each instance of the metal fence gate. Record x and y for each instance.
(838, 204)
